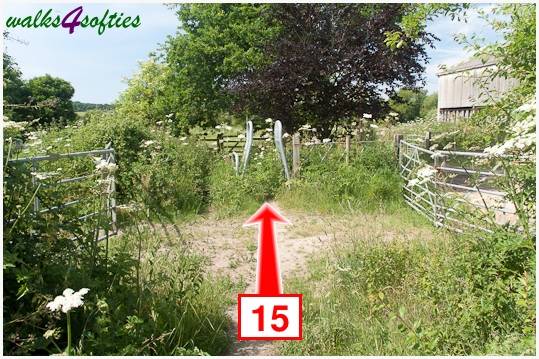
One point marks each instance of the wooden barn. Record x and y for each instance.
(462, 88)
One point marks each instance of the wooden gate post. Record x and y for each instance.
(35, 185)
(347, 147)
(427, 140)
(296, 146)
(220, 142)
(397, 145)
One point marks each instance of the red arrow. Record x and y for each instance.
(268, 275)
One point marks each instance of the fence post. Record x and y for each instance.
(397, 145)
(296, 146)
(219, 142)
(113, 197)
(347, 147)
(35, 185)
(427, 140)
(438, 212)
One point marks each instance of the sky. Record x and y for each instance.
(98, 65)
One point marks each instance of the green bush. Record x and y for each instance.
(146, 296)
(462, 296)
(143, 299)
(370, 181)
(163, 172)
(231, 193)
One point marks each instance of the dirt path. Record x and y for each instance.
(231, 250)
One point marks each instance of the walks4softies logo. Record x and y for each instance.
(74, 19)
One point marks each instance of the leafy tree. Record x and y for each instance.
(412, 104)
(408, 103)
(429, 106)
(84, 106)
(516, 52)
(15, 91)
(414, 21)
(329, 63)
(51, 99)
(150, 95)
(216, 43)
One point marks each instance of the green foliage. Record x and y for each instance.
(52, 97)
(369, 182)
(84, 106)
(414, 22)
(429, 106)
(446, 297)
(148, 294)
(163, 172)
(161, 304)
(15, 91)
(149, 97)
(43, 99)
(233, 194)
(408, 104)
(218, 42)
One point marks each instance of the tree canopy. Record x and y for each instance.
(216, 43)
(51, 99)
(331, 63)
(45, 98)
(315, 63)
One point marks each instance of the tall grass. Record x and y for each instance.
(448, 296)
(369, 182)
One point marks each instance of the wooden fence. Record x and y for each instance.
(451, 190)
(107, 196)
(230, 143)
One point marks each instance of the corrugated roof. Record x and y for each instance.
(470, 64)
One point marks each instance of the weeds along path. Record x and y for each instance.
(231, 251)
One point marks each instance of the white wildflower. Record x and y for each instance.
(372, 125)
(218, 127)
(159, 123)
(326, 140)
(527, 107)
(13, 124)
(183, 138)
(449, 146)
(393, 114)
(105, 167)
(413, 182)
(68, 300)
(426, 172)
(43, 175)
(268, 120)
(169, 115)
(148, 143)
(269, 129)
(286, 134)
(241, 136)
(367, 115)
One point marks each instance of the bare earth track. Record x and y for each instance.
(231, 250)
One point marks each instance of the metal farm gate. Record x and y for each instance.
(78, 198)
(453, 189)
